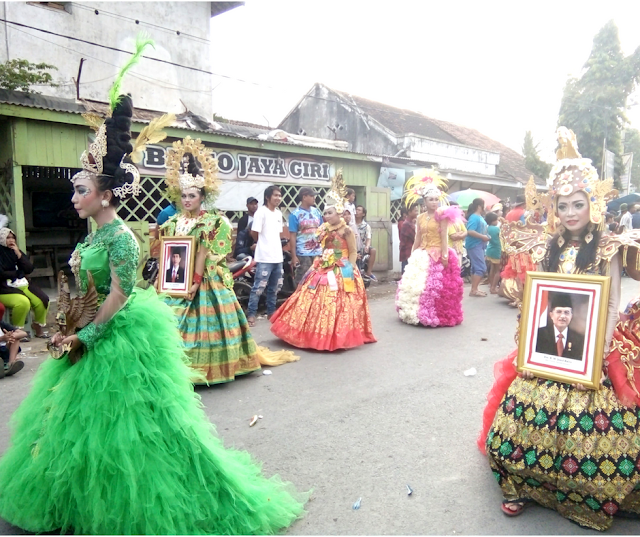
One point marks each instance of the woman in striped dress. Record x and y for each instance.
(213, 326)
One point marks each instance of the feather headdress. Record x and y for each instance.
(178, 178)
(94, 158)
(423, 183)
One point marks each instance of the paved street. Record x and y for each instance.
(365, 423)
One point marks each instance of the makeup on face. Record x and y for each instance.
(191, 199)
(573, 211)
(331, 215)
(86, 199)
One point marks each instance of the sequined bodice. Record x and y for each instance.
(111, 245)
(338, 244)
(430, 231)
(567, 260)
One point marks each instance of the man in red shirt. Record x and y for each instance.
(518, 210)
(408, 235)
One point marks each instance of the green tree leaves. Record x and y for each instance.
(20, 75)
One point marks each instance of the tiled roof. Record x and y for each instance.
(401, 121)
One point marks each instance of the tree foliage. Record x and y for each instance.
(594, 105)
(20, 75)
(532, 160)
(632, 145)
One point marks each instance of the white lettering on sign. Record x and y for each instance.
(242, 165)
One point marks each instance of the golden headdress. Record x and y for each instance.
(179, 178)
(424, 182)
(572, 173)
(337, 195)
(111, 153)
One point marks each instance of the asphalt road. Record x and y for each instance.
(365, 423)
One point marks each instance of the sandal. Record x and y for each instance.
(509, 511)
(478, 293)
(251, 320)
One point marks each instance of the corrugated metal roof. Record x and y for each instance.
(186, 121)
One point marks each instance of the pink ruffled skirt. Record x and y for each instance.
(430, 294)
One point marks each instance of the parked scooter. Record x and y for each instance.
(363, 266)
(244, 273)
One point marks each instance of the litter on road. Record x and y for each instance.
(356, 505)
(470, 372)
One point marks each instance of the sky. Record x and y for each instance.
(497, 66)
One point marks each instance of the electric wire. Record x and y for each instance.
(163, 84)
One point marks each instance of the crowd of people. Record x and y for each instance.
(112, 439)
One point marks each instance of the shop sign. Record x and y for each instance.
(243, 165)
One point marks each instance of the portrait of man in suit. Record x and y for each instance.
(175, 272)
(557, 338)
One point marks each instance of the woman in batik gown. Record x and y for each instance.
(430, 292)
(556, 444)
(329, 309)
(118, 443)
(213, 326)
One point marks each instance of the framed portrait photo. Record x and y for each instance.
(177, 263)
(562, 327)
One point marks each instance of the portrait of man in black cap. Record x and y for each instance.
(557, 338)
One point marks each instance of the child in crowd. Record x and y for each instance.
(494, 252)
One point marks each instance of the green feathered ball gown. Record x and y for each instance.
(118, 443)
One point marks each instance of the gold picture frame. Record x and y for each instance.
(562, 327)
(176, 281)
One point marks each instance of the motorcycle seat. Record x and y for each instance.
(236, 266)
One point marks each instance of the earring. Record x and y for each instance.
(561, 230)
(104, 204)
(589, 236)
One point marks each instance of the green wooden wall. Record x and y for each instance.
(43, 143)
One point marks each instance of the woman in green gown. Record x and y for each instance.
(118, 443)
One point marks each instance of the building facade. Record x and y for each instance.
(89, 42)
(465, 156)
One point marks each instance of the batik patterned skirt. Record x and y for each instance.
(215, 333)
(322, 315)
(430, 294)
(577, 452)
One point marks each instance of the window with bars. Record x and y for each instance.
(6, 207)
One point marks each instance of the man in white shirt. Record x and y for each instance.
(265, 230)
(626, 220)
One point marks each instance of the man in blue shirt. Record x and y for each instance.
(475, 243)
(303, 224)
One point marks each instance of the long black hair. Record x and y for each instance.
(586, 254)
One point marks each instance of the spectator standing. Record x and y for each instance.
(348, 219)
(265, 230)
(403, 216)
(408, 235)
(365, 237)
(635, 219)
(494, 251)
(517, 212)
(475, 244)
(303, 226)
(626, 218)
(244, 241)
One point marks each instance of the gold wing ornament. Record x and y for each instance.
(73, 314)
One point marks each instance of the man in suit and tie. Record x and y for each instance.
(175, 273)
(557, 338)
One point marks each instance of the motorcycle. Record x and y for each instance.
(244, 272)
(363, 266)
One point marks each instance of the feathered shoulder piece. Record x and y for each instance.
(452, 213)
